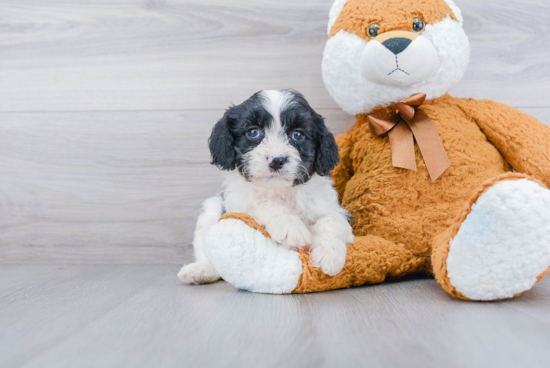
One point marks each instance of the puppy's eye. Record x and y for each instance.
(298, 136)
(373, 30)
(253, 133)
(418, 25)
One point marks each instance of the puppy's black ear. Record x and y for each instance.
(327, 156)
(222, 143)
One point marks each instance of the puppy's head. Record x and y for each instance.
(274, 139)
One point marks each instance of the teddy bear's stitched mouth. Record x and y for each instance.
(397, 69)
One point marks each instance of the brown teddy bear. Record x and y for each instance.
(449, 186)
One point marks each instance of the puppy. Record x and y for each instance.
(278, 154)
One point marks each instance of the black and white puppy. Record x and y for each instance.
(278, 154)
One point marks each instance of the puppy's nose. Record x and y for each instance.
(397, 45)
(277, 162)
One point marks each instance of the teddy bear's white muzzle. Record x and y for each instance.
(399, 62)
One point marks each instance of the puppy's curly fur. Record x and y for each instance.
(278, 154)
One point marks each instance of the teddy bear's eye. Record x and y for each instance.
(418, 25)
(373, 30)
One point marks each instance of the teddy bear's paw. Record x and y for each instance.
(329, 255)
(289, 231)
(198, 273)
(249, 260)
(503, 246)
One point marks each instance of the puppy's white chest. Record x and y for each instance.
(308, 201)
(254, 201)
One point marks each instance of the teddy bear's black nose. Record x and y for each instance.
(397, 45)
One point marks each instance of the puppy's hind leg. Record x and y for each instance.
(201, 271)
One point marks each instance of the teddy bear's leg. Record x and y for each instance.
(246, 257)
(499, 246)
(370, 260)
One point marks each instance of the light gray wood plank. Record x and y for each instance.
(531, 302)
(115, 187)
(134, 181)
(184, 54)
(135, 55)
(510, 43)
(37, 316)
(14, 277)
(136, 316)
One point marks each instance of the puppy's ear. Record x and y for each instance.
(222, 143)
(327, 156)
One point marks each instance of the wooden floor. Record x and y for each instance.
(141, 316)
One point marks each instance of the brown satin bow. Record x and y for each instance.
(410, 123)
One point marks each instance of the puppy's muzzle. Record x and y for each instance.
(276, 163)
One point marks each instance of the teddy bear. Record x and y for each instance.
(453, 187)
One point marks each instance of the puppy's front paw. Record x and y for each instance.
(330, 258)
(198, 273)
(291, 233)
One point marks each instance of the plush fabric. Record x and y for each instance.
(481, 229)
(346, 54)
(370, 260)
(357, 15)
(501, 241)
(404, 206)
(245, 256)
(523, 140)
(248, 220)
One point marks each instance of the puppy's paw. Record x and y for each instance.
(198, 273)
(330, 258)
(291, 233)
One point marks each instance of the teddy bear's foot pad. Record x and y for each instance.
(249, 260)
(502, 248)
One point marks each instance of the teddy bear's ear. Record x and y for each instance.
(456, 11)
(222, 143)
(335, 11)
(327, 156)
(338, 6)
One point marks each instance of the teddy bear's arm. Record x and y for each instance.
(344, 171)
(523, 140)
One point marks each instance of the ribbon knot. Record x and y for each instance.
(407, 125)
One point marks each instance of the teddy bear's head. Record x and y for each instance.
(381, 51)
